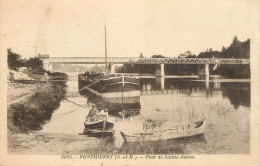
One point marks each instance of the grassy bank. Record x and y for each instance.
(37, 109)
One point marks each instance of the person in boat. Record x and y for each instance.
(104, 113)
(87, 74)
(92, 115)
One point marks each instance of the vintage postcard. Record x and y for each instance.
(136, 82)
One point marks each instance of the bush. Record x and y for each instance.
(35, 64)
(13, 60)
(32, 114)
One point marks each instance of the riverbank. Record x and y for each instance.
(19, 92)
(56, 144)
(36, 108)
(42, 143)
(29, 107)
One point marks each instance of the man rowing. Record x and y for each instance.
(95, 115)
(92, 113)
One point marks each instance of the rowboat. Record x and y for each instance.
(100, 127)
(180, 131)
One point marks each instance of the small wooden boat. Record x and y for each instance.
(100, 127)
(186, 130)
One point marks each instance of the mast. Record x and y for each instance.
(106, 46)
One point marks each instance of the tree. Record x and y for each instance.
(235, 45)
(13, 60)
(141, 55)
(35, 63)
(223, 49)
(235, 40)
(158, 56)
(187, 54)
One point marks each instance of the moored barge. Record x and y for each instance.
(113, 85)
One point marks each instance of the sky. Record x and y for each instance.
(76, 28)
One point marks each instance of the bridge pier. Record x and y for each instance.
(162, 70)
(159, 71)
(203, 71)
(207, 82)
(112, 69)
(206, 69)
(216, 85)
(47, 66)
(50, 67)
(162, 83)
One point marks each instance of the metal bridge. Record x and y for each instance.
(127, 60)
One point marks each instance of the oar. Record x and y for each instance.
(104, 126)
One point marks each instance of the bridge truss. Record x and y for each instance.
(126, 60)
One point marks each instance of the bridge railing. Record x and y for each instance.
(127, 60)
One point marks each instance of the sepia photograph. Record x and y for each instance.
(129, 80)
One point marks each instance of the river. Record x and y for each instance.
(223, 103)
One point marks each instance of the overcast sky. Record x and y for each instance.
(165, 27)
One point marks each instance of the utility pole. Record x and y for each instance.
(106, 46)
(35, 49)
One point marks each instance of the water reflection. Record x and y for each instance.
(237, 92)
(225, 104)
(122, 107)
(176, 89)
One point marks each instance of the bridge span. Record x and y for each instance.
(49, 61)
(127, 60)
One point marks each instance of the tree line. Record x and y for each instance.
(15, 61)
(34, 64)
(237, 49)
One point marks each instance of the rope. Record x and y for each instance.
(70, 111)
(93, 83)
(63, 113)
(66, 114)
(74, 103)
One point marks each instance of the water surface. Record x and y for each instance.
(223, 103)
